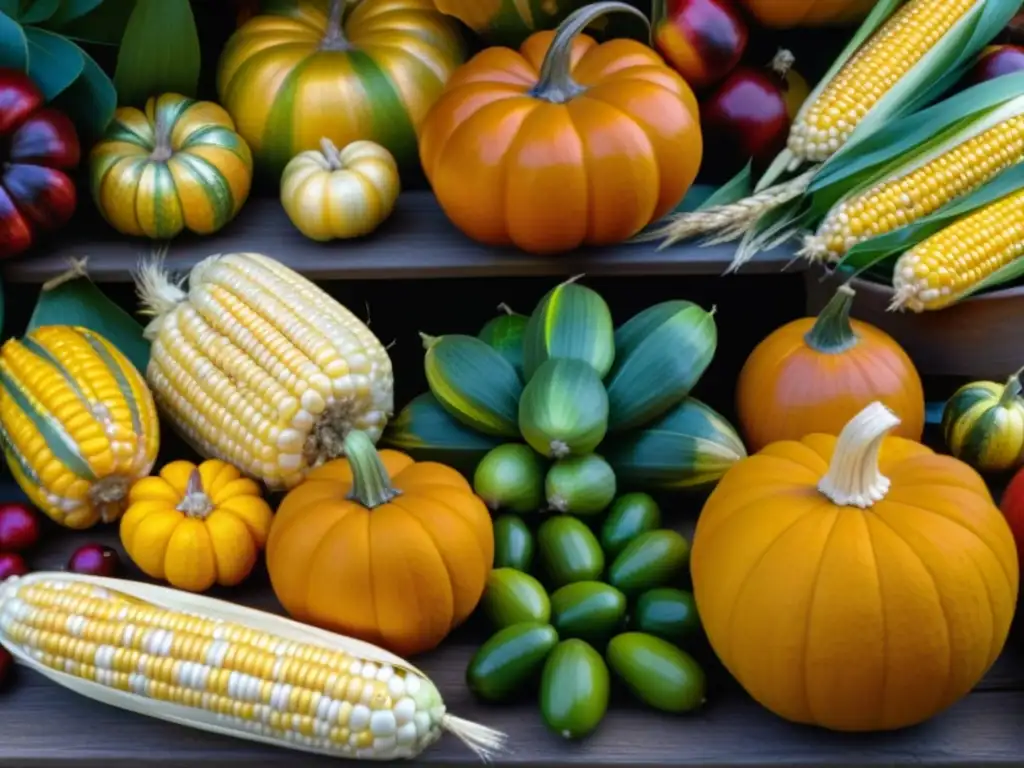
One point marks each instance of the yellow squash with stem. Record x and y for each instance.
(983, 424)
(177, 165)
(196, 526)
(329, 194)
(315, 68)
(77, 422)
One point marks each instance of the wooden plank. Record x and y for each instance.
(417, 242)
(46, 726)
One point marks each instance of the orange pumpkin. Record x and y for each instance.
(380, 548)
(564, 142)
(815, 374)
(785, 14)
(859, 583)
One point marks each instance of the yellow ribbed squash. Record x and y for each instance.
(77, 422)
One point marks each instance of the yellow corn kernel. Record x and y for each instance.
(78, 424)
(902, 200)
(898, 45)
(938, 271)
(258, 367)
(256, 681)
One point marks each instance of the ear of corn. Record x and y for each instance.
(943, 268)
(77, 422)
(218, 667)
(257, 366)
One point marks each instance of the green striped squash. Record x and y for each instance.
(305, 70)
(427, 432)
(474, 383)
(983, 424)
(564, 409)
(571, 322)
(505, 334)
(689, 447)
(177, 165)
(660, 354)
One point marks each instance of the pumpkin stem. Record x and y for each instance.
(853, 479)
(556, 84)
(832, 332)
(783, 62)
(334, 37)
(1011, 390)
(161, 138)
(330, 151)
(503, 307)
(371, 484)
(195, 503)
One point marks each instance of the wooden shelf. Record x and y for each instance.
(44, 725)
(416, 242)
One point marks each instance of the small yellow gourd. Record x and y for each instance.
(196, 526)
(331, 195)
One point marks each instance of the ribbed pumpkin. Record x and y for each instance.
(856, 583)
(310, 69)
(784, 14)
(562, 119)
(508, 22)
(815, 374)
(983, 424)
(196, 526)
(378, 547)
(77, 422)
(177, 165)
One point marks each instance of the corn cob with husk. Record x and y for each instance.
(227, 669)
(944, 267)
(257, 366)
(902, 57)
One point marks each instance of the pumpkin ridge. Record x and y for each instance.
(881, 617)
(938, 599)
(329, 533)
(808, 621)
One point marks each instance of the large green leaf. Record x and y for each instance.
(103, 25)
(73, 299)
(90, 100)
(159, 52)
(871, 252)
(72, 9)
(13, 44)
(54, 63)
(38, 11)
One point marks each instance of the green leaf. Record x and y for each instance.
(38, 11)
(72, 9)
(159, 52)
(104, 25)
(871, 252)
(13, 44)
(695, 197)
(73, 299)
(734, 190)
(90, 100)
(10, 8)
(54, 63)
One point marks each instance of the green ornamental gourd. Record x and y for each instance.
(983, 424)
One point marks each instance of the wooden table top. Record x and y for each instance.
(44, 726)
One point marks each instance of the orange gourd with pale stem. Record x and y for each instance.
(857, 583)
(785, 14)
(564, 142)
(815, 374)
(381, 548)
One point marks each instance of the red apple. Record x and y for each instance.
(1012, 506)
(19, 527)
(996, 61)
(94, 560)
(12, 564)
(703, 40)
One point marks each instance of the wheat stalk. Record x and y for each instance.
(725, 223)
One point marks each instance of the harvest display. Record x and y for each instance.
(597, 502)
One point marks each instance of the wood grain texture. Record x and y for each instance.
(45, 726)
(416, 242)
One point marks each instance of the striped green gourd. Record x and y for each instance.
(983, 424)
(564, 409)
(505, 333)
(571, 322)
(660, 355)
(474, 383)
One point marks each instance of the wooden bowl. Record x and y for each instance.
(977, 338)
